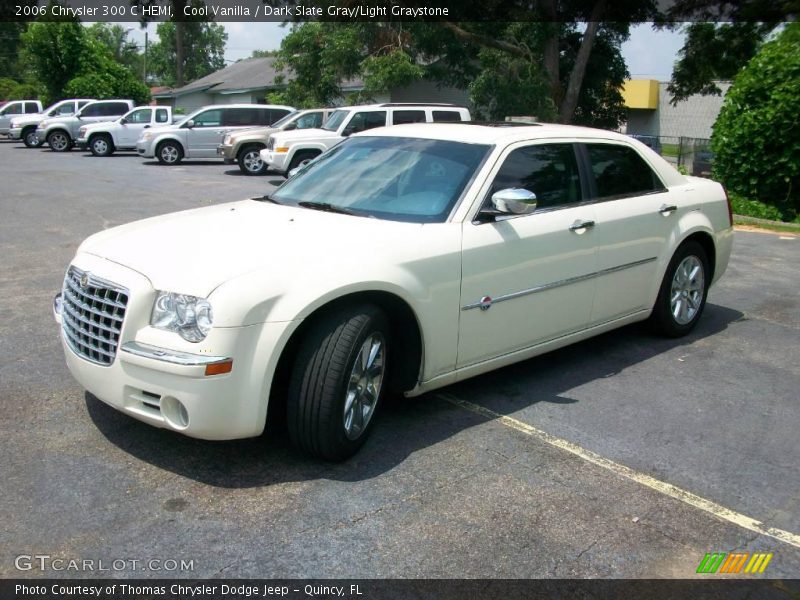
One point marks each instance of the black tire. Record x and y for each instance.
(301, 158)
(322, 375)
(249, 157)
(101, 145)
(59, 141)
(169, 153)
(678, 309)
(29, 138)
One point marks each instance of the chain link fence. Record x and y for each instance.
(694, 154)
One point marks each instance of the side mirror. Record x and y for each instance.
(123, 121)
(190, 123)
(78, 116)
(514, 201)
(290, 126)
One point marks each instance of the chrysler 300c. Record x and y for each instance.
(401, 260)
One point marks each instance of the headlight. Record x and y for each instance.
(147, 136)
(13, 124)
(189, 316)
(82, 131)
(226, 140)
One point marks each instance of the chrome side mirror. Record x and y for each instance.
(190, 123)
(514, 201)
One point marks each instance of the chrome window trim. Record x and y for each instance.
(554, 284)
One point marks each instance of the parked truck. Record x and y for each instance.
(61, 132)
(24, 127)
(103, 139)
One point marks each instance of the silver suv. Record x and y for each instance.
(61, 132)
(199, 134)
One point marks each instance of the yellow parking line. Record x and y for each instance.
(719, 511)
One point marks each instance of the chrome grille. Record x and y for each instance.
(92, 315)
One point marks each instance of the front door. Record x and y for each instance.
(134, 125)
(206, 134)
(527, 279)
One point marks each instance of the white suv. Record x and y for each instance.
(290, 149)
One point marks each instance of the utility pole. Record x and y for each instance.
(144, 62)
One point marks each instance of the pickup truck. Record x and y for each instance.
(24, 127)
(103, 139)
(61, 132)
(16, 108)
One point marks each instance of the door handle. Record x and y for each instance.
(580, 225)
(667, 209)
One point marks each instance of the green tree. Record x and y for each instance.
(10, 33)
(54, 53)
(755, 142)
(115, 38)
(203, 51)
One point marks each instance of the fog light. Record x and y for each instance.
(58, 306)
(175, 412)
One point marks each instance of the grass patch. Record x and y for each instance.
(766, 224)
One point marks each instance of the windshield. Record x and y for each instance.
(398, 179)
(283, 121)
(336, 118)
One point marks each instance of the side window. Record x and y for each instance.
(83, 103)
(31, 107)
(67, 108)
(209, 118)
(116, 109)
(13, 109)
(362, 121)
(162, 115)
(140, 116)
(620, 171)
(548, 170)
(273, 115)
(310, 120)
(241, 117)
(93, 110)
(446, 116)
(408, 116)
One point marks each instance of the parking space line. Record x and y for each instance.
(719, 511)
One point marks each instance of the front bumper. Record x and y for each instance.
(158, 378)
(226, 151)
(275, 160)
(15, 133)
(145, 149)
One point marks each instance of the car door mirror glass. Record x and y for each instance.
(514, 201)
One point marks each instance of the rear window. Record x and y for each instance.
(399, 117)
(242, 117)
(273, 115)
(31, 107)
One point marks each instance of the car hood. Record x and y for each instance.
(29, 119)
(194, 252)
(253, 132)
(307, 134)
(63, 120)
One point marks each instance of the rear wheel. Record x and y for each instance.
(250, 162)
(338, 381)
(101, 145)
(59, 141)
(30, 139)
(682, 296)
(169, 153)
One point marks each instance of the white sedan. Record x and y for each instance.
(402, 260)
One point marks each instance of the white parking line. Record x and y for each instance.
(668, 489)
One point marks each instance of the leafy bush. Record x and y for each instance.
(754, 208)
(755, 140)
(13, 90)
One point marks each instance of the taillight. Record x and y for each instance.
(730, 208)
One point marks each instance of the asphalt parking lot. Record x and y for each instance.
(446, 486)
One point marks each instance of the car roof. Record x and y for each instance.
(494, 133)
(401, 105)
(246, 105)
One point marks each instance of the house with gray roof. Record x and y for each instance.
(249, 81)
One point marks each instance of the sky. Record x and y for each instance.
(648, 53)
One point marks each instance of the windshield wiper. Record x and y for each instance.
(266, 198)
(328, 207)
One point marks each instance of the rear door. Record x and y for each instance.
(636, 215)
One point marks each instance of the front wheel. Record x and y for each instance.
(169, 153)
(682, 296)
(30, 139)
(101, 145)
(250, 162)
(338, 381)
(301, 159)
(59, 141)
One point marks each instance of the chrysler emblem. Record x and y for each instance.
(84, 281)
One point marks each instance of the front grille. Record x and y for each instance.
(92, 315)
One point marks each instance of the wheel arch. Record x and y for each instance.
(168, 138)
(106, 134)
(406, 334)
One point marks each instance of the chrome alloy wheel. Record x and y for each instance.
(364, 386)
(100, 145)
(58, 141)
(169, 154)
(252, 161)
(688, 286)
(31, 139)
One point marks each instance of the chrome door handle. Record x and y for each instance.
(667, 209)
(578, 225)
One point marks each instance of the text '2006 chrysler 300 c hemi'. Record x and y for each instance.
(403, 259)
